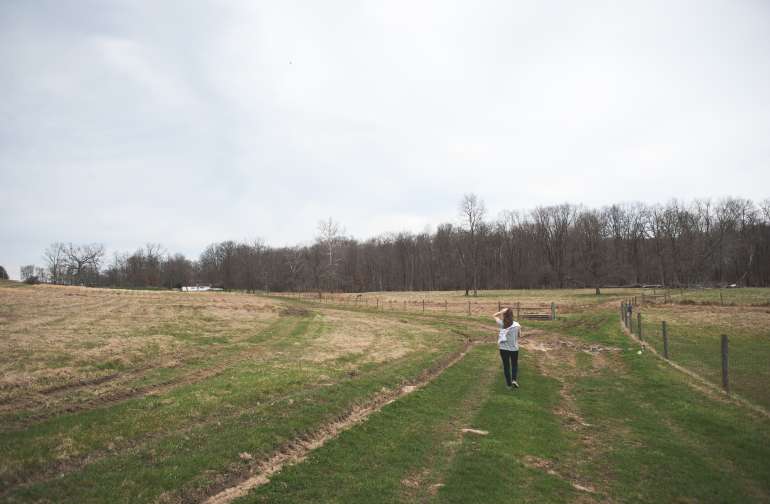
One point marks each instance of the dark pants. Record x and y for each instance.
(510, 365)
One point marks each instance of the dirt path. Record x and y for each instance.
(259, 472)
(560, 350)
(556, 356)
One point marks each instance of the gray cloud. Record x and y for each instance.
(127, 122)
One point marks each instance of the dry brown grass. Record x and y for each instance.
(486, 302)
(51, 336)
(380, 339)
(750, 319)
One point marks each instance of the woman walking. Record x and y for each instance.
(508, 341)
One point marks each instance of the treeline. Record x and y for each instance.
(699, 243)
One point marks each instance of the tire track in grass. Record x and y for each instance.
(518, 459)
(559, 357)
(150, 389)
(60, 468)
(297, 450)
(424, 483)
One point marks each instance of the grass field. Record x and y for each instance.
(484, 303)
(694, 333)
(743, 296)
(134, 396)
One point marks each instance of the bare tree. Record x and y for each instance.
(552, 225)
(56, 261)
(83, 260)
(330, 235)
(295, 261)
(472, 212)
(700, 242)
(589, 229)
(764, 206)
(27, 272)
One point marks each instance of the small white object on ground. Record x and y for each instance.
(475, 431)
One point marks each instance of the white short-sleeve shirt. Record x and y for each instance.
(508, 339)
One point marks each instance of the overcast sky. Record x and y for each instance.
(185, 123)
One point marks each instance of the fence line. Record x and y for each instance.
(532, 311)
(647, 335)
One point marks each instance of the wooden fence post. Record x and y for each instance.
(378, 303)
(469, 308)
(639, 324)
(553, 311)
(721, 299)
(665, 339)
(445, 306)
(423, 306)
(628, 316)
(518, 310)
(725, 377)
(499, 307)
(404, 304)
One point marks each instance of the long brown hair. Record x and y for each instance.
(507, 318)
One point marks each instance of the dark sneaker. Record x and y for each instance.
(515, 384)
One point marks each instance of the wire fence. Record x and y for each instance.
(521, 311)
(738, 362)
(748, 296)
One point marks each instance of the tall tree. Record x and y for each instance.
(472, 211)
(330, 235)
(56, 260)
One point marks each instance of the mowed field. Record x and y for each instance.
(139, 396)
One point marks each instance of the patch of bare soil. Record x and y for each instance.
(559, 351)
(549, 467)
(244, 477)
(294, 311)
